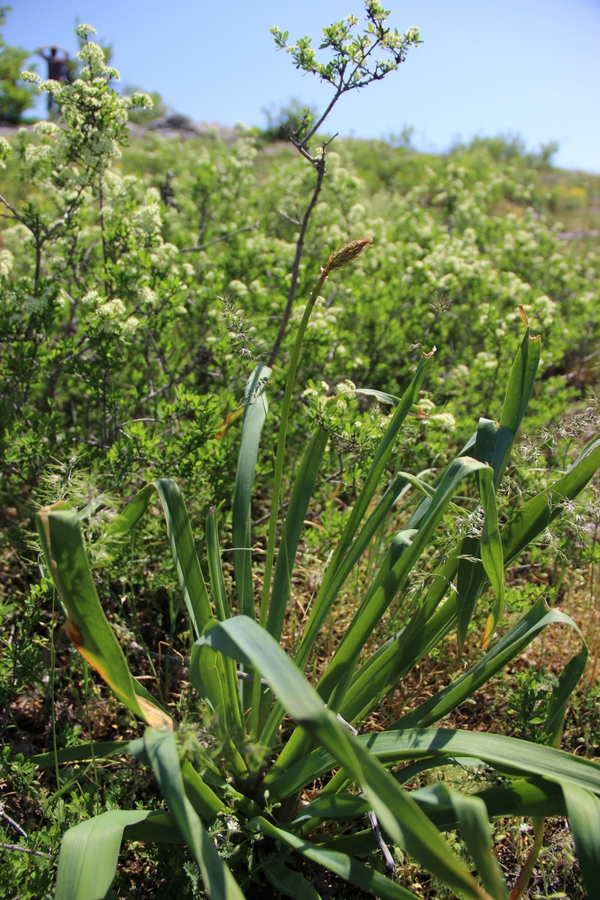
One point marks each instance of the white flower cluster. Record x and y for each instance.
(445, 420)
(46, 128)
(110, 315)
(112, 309)
(38, 153)
(5, 150)
(6, 262)
(147, 220)
(545, 309)
(147, 297)
(16, 237)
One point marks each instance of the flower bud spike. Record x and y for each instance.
(348, 253)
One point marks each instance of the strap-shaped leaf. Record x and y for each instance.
(490, 547)
(213, 553)
(183, 550)
(519, 797)
(583, 809)
(344, 866)
(244, 639)
(161, 751)
(89, 852)
(86, 625)
(443, 745)
(181, 542)
(288, 883)
(472, 817)
(255, 412)
(81, 753)
(302, 493)
(507, 648)
(521, 381)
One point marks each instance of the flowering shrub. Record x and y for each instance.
(141, 285)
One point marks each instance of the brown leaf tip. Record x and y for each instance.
(72, 632)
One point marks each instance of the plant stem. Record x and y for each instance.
(279, 456)
(320, 167)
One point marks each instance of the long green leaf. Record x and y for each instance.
(218, 681)
(520, 382)
(255, 412)
(490, 547)
(344, 866)
(301, 495)
(89, 852)
(86, 625)
(583, 809)
(244, 639)
(161, 750)
(181, 542)
(288, 883)
(508, 755)
(510, 646)
(213, 553)
(183, 550)
(520, 797)
(81, 753)
(472, 817)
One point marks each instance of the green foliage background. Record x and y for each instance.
(142, 280)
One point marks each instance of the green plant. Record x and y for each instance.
(15, 96)
(154, 108)
(528, 702)
(352, 66)
(247, 769)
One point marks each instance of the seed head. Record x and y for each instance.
(348, 253)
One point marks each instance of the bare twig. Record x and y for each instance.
(15, 214)
(289, 218)
(223, 237)
(23, 849)
(12, 822)
(347, 725)
(390, 865)
(246, 676)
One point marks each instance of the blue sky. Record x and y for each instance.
(526, 67)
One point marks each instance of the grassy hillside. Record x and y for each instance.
(136, 300)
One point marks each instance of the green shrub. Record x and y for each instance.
(247, 774)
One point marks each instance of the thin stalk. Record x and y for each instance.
(86, 672)
(52, 670)
(278, 478)
(527, 870)
(320, 167)
(280, 453)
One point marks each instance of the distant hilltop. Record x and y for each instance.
(169, 126)
(176, 125)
